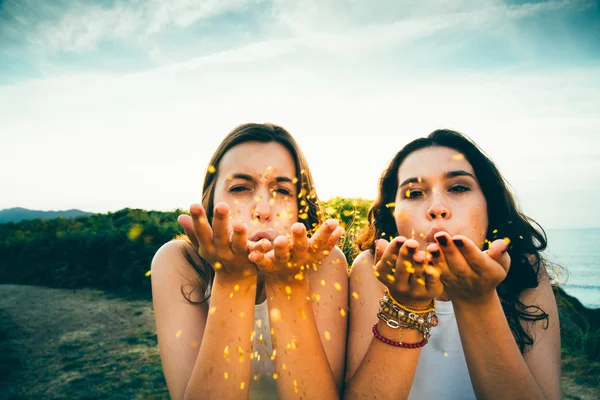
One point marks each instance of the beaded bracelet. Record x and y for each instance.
(385, 340)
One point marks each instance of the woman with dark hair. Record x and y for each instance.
(457, 304)
(253, 302)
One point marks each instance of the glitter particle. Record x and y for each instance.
(178, 333)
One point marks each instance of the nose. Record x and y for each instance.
(262, 209)
(438, 210)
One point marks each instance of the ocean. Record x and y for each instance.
(577, 251)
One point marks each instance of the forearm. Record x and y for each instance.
(386, 371)
(300, 362)
(492, 355)
(223, 366)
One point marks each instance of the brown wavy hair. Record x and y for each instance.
(308, 202)
(527, 237)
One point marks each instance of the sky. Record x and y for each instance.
(113, 104)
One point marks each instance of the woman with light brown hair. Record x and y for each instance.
(253, 302)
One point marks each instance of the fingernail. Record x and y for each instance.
(399, 245)
(435, 254)
(411, 250)
(443, 240)
(458, 242)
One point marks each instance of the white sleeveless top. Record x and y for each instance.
(262, 384)
(442, 369)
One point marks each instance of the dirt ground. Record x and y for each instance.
(87, 344)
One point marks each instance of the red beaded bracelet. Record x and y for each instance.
(397, 344)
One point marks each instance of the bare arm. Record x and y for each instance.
(493, 357)
(192, 340)
(309, 331)
(205, 352)
(376, 369)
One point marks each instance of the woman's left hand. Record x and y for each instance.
(468, 273)
(288, 258)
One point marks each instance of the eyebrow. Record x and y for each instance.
(250, 178)
(447, 175)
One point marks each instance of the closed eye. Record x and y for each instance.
(238, 189)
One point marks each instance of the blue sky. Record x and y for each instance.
(112, 104)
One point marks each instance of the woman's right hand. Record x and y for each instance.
(227, 253)
(406, 271)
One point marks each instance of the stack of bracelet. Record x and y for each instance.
(396, 315)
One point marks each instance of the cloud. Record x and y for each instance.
(78, 26)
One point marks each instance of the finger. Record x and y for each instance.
(239, 238)
(432, 280)
(333, 240)
(380, 246)
(188, 228)
(321, 237)
(299, 245)
(386, 266)
(405, 264)
(499, 251)
(438, 261)
(281, 249)
(220, 227)
(452, 255)
(417, 278)
(260, 259)
(262, 246)
(202, 229)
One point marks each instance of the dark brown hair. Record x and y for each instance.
(308, 202)
(527, 238)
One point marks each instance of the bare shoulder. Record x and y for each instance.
(332, 266)
(362, 263)
(171, 268)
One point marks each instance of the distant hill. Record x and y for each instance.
(20, 214)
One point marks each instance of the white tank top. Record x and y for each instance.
(262, 384)
(442, 369)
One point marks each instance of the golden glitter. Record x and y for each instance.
(275, 375)
(236, 287)
(337, 286)
(148, 273)
(327, 335)
(242, 385)
(302, 314)
(194, 345)
(211, 169)
(507, 240)
(259, 322)
(242, 314)
(275, 315)
(390, 205)
(178, 333)
(323, 282)
(495, 231)
(421, 281)
(226, 351)
(288, 290)
(274, 354)
(303, 216)
(390, 278)
(355, 295)
(212, 310)
(457, 157)
(226, 375)
(284, 367)
(231, 295)
(342, 312)
(218, 265)
(407, 193)
(299, 276)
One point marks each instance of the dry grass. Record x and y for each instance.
(87, 344)
(77, 344)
